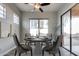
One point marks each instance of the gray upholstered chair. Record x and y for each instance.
(48, 39)
(53, 49)
(21, 48)
(49, 36)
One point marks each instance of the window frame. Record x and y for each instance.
(3, 12)
(15, 18)
(38, 23)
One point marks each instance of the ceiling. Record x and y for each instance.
(29, 8)
(75, 10)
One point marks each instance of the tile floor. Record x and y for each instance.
(37, 52)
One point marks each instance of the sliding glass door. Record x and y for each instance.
(38, 27)
(70, 29)
(66, 30)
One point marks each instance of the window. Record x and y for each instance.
(43, 27)
(33, 27)
(38, 27)
(16, 18)
(2, 11)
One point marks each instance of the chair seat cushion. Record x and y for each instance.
(48, 48)
(26, 47)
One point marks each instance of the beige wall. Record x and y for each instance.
(7, 44)
(52, 20)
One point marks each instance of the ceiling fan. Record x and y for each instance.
(38, 5)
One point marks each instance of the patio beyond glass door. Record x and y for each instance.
(38, 27)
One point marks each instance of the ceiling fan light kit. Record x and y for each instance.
(39, 5)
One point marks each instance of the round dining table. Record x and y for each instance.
(35, 39)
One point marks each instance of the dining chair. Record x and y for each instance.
(27, 38)
(53, 49)
(21, 48)
(49, 36)
(9, 34)
(48, 39)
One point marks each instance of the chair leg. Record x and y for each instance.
(31, 52)
(41, 44)
(53, 54)
(59, 52)
(49, 52)
(42, 52)
(15, 53)
(25, 43)
(28, 43)
(19, 53)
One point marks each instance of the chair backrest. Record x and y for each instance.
(27, 35)
(49, 35)
(58, 42)
(8, 35)
(16, 40)
(46, 41)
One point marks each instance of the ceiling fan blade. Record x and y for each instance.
(25, 3)
(45, 4)
(41, 9)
